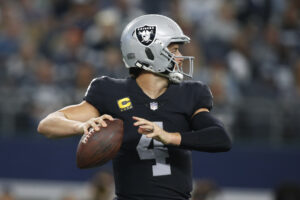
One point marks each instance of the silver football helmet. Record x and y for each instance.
(144, 44)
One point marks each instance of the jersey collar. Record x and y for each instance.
(136, 91)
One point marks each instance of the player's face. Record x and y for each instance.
(174, 49)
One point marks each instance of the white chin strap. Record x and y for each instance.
(175, 77)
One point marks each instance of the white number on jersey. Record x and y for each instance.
(159, 153)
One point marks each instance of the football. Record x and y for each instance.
(98, 147)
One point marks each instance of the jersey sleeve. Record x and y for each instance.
(94, 93)
(202, 96)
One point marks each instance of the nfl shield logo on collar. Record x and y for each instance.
(153, 106)
(146, 34)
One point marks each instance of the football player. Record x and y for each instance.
(164, 115)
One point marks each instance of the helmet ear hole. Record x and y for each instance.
(149, 53)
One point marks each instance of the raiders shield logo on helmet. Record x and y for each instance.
(146, 34)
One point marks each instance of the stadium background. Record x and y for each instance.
(246, 51)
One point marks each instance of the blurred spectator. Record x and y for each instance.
(259, 12)
(297, 78)
(11, 28)
(68, 197)
(112, 64)
(200, 10)
(103, 186)
(106, 30)
(205, 190)
(84, 75)
(221, 84)
(20, 67)
(45, 89)
(128, 10)
(287, 191)
(223, 25)
(238, 59)
(7, 195)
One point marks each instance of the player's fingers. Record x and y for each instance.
(94, 125)
(103, 123)
(106, 116)
(100, 122)
(139, 123)
(151, 135)
(85, 130)
(148, 128)
(137, 118)
(143, 131)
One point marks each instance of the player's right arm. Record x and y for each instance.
(72, 120)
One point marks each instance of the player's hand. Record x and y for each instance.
(95, 123)
(152, 130)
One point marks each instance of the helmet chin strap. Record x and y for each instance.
(175, 77)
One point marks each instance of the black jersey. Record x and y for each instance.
(144, 168)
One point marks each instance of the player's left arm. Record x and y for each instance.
(208, 133)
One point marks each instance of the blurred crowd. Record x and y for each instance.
(101, 187)
(246, 51)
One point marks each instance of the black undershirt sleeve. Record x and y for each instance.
(208, 135)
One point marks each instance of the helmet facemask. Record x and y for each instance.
(176, 71)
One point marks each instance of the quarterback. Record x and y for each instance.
(164, 115)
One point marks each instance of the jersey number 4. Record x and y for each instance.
(159, 152)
